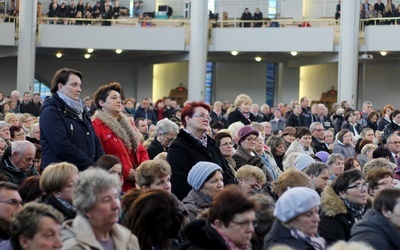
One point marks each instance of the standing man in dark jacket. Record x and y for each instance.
(145, 112)
(295, 119)
(66, 132)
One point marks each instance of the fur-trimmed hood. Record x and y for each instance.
(331, 203)
(121, 127)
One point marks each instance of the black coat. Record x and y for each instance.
(389, 130)
(376, 230)
(184, 152)
(338, 121)
(200, 235)
(237, 116)
(346, 125)
(382, 124)
(66, 137)
(319, 146)
(280, 235)
(295, 121)
(154, 149)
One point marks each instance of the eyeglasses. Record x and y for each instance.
(169, 139)
(319, 130)
(251, 139)
(360, 186)
(202, 116)
(20, 134)
(226, 144)
(13, 202)
(245, 224)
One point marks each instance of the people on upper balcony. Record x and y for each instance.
(137, 8)
(258, 15)
(246, 16)
(371, 13)
(108, 14)
(337, 14)
(379, 6)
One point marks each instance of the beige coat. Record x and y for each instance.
(77, 234)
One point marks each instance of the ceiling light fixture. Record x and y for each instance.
(87, 56)
(118, 51)
(258, 59)
(90, 50)
(234, 53)
(59, 55)
(383, 53)
(293, 53)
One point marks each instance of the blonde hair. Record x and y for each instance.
(247, 171)
(342, 245)
(241, 99)
(55, 176)
(292, 178)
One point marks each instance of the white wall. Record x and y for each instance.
(287, 87)
(233, 79)
(168, 76)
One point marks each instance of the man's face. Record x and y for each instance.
(319, 132)
(394, 144)
(15, 97)
(24, 160)
(142, 127)
(297, 109)
(145, 104)
(321, 110)
(305, 103)
(36, 99)
(27, 97)
(368, 108)
(10, 203)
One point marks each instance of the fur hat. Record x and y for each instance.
(245, 131)
(302, 161)
(294, 202)
(200, 172)
(289, 130)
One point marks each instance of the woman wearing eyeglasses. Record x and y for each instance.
(297, 219)
(115, 132)
(192, 145)
(166, 132)
(380, 225)
(225, 143)
(245, 153)
(229, 224)
(343, 203)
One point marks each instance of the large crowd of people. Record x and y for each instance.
(103, 172)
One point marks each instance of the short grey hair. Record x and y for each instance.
(165, 126)
(313, 126)
(21, 146)
(90, 183)
(332, 159)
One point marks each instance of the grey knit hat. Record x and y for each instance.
(200, 172)
(295, 202)
(302, 161)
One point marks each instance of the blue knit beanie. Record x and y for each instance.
(200, 172)
(302, 161)
(294, 202)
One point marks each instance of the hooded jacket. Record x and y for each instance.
(78, 234)
(66, 137)
(11, 172)
(335, 220)
(195, 203)
(343, 149)
(376, 230)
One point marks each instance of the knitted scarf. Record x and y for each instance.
(75, 105)
(356, 210)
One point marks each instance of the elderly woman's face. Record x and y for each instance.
(166, 139)
(307, 222)
(240, 229)
(105, 211)
(356, 192)
(200, 119)
(19, 135)
(328, 136)
(66, 192)
(338, 167)
(347, 138)
(13, 120)
(249, 142)
(213, 185)
(289, 138)
(5, 133)
(226, 146)
(280, 150)
(47, 236)
(250, 184)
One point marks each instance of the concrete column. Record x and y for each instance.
(26, 45)
(348, 52)
(198, 50)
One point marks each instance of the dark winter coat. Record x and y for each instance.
(335, 220)
(146, 114)
(237, 116)
(66, 137)
(389, 130)
(154, 149)
(184, 152)
(200, 235)
(377, 231)
(319, 146)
